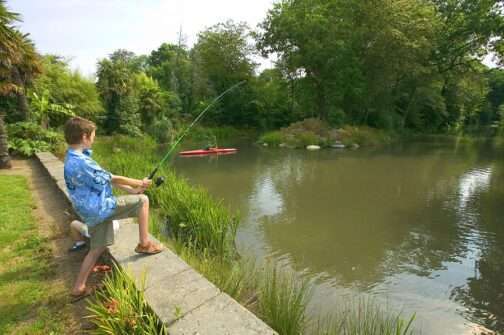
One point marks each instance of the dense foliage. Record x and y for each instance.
(399, 66)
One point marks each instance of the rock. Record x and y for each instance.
(282, 145)
(338, 145)
(313, 147)
(355, 146)
(265, 144)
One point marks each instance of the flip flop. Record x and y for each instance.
(102, 268)
(149, 249)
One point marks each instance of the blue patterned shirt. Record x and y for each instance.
(89, 187)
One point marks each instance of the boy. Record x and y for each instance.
(90, 190)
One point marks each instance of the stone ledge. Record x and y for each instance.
(181, 297)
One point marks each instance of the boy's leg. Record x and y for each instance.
(85, 270)
(102, 235)
(128, 206)
(143, 220)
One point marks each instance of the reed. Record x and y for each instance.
(364, 317)
(283, 300)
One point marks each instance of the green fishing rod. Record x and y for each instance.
(160, 180)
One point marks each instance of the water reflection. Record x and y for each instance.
(417, 225)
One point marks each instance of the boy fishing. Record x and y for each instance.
(90, 190)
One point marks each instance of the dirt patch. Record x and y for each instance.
(54, 214)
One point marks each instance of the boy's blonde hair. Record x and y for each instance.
(76, 127)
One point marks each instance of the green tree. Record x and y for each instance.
(66, 87)
(19, 65)
(221, 58)
(116, 76)
(170, 65)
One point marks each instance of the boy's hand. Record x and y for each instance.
(146, 182)
(137, 190)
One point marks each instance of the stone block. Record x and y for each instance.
(154, 267)
(220, 316)
(46, 157)
(172, 297)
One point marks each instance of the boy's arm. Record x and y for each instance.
(136, 183)
(129, 189)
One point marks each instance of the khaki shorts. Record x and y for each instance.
(102, 235)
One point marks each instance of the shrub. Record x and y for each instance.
(120, 308)
(272, 138)
(27, 138)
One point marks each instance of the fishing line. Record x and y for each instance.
(160, 180)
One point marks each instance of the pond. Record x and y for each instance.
(417, 226)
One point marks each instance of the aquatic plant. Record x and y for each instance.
(363, 317)
(282, 301)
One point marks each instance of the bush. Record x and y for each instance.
(162, 130)
(272, 138)
(27, 138)
(121, 309)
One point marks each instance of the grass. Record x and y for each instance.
(32, 300)
(282, 301)
(120, 308)
(364, 317)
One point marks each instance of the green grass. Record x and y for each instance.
(364, 317)
(120, 308)
(282, 301)
(32, 300)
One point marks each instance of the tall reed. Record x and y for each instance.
(364, 317)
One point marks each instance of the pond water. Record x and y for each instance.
(418, 226)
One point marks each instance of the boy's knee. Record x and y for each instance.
(144, 199)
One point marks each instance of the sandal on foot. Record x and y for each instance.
(101, 268)
(149, 249)
(77, 246)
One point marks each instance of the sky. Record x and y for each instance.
(88, 30)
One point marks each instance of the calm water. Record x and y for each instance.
(420, 225)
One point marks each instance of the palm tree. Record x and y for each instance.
(19, 65)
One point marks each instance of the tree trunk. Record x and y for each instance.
(4, 151)
(22, 102)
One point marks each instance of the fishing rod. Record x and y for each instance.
(160, 180)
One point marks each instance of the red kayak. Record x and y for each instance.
(211, 151)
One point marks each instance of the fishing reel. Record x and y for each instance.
(159, 181)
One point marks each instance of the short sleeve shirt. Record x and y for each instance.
(89, 187)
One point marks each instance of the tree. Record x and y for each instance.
(171, 67)
(115, 85)
(19, 65)
(67, 87)
(221, 58)
(354, 55)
